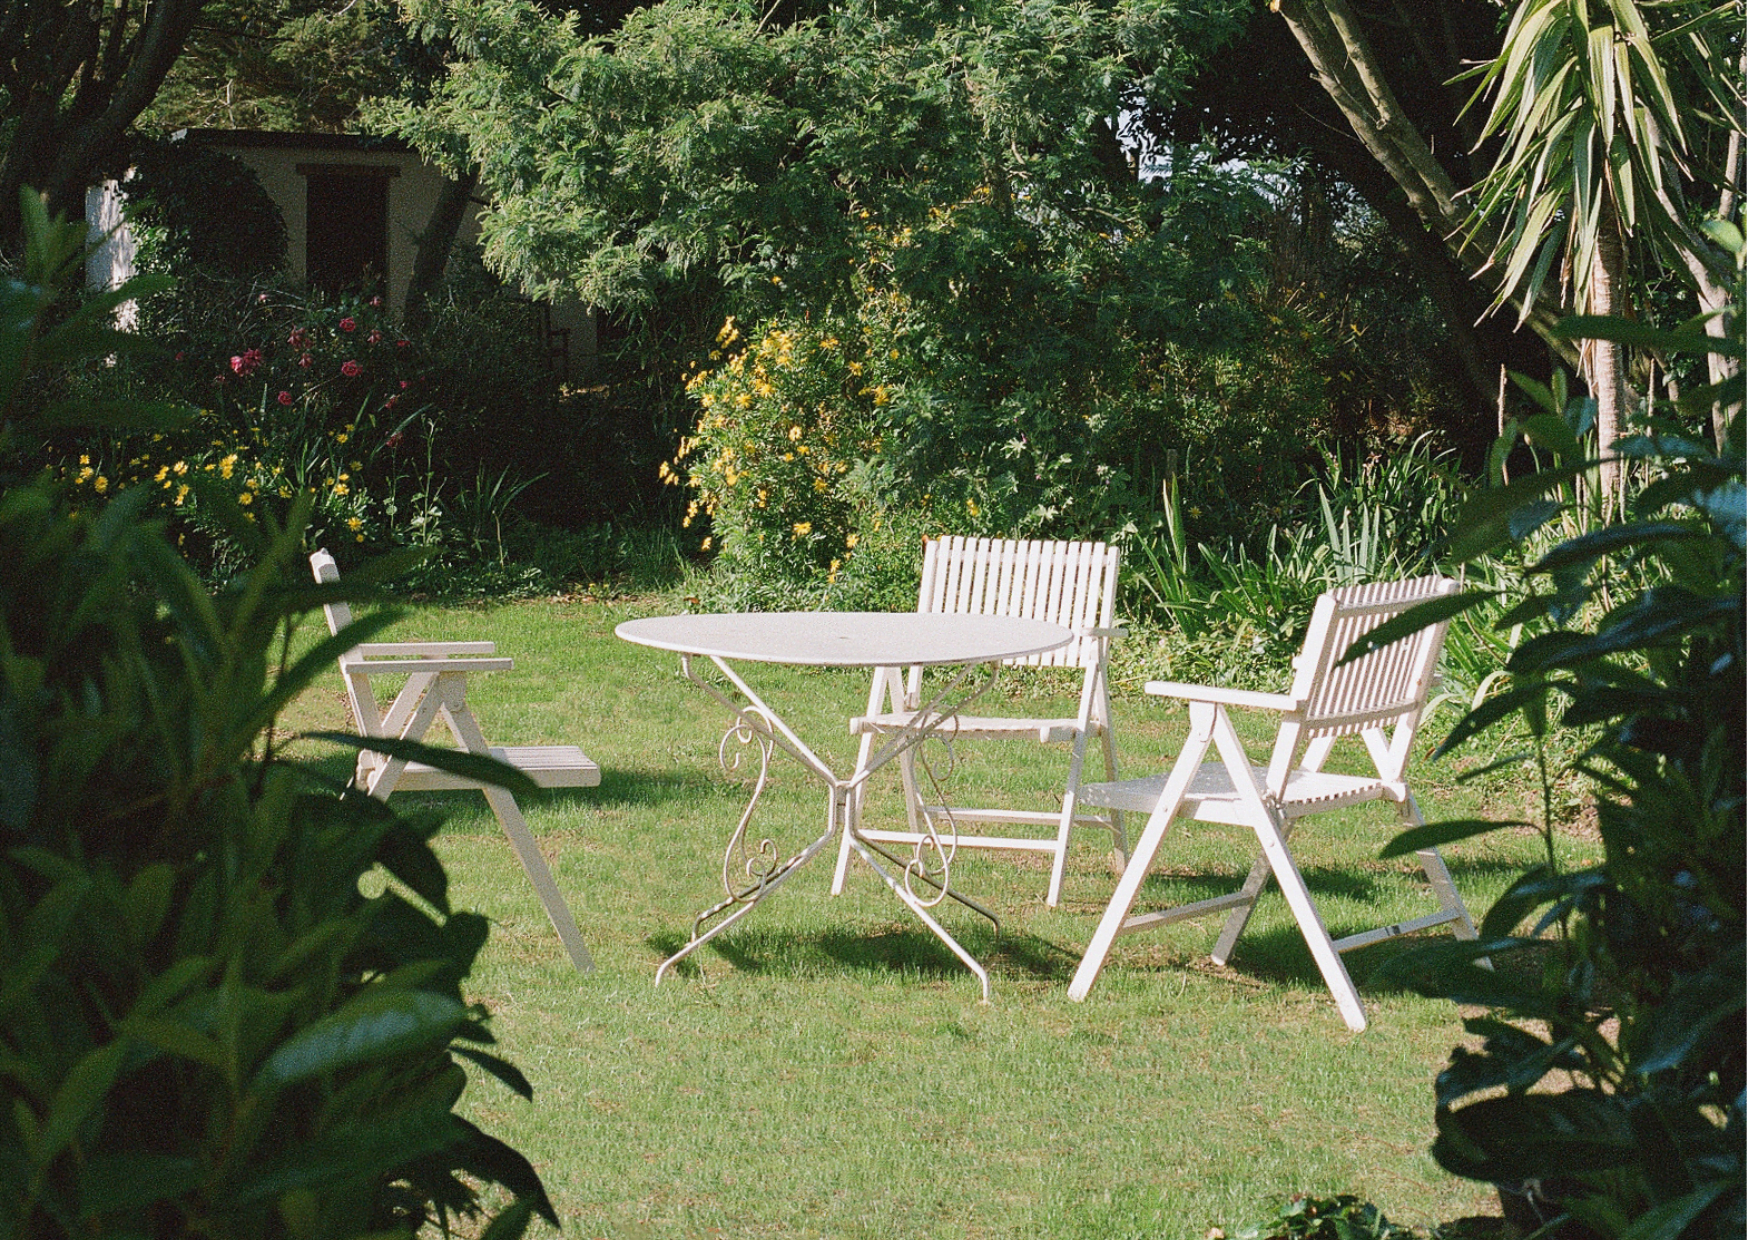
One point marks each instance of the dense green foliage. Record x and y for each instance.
(194, 209)
(217, 1016)
(443, 438)
(1023, 328)
(1610, 1072)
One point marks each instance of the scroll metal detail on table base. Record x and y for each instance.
(756, 724)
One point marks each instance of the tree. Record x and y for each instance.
(1591, 169)
(1337, 39)
(73, 77)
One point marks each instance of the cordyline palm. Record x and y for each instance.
(1591, 166)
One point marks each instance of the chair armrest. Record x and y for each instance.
(421, 650)
(390, 667)
(1118, 631)
(1224, 697)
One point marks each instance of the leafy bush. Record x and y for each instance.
(191, 208)
(1609, 1077)
(1342, 1217)
(230, 990)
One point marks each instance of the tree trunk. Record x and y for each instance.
(435, 244)
(1349, 73)
(1603, 370)
(74, 76)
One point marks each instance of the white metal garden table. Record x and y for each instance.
(886, 641)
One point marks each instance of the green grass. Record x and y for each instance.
(826, 1069)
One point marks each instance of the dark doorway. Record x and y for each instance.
(346, 227)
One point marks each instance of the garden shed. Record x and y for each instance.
(354, 207)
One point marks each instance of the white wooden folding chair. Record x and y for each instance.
(1378, 697)
(436, 687)
(1073, 584)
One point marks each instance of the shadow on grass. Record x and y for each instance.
(1278, 954)
(883, 949)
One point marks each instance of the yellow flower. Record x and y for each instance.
(246, 498)
(180, 468)
(705, 545)
(162, 471)
(850, 540)
(340, 488)
(353, 523)
(227, 465)
(803, 528)
(181, 494)
(84, 460)
(342, 437)
(102, 484)
(794, 434)
(819, 484)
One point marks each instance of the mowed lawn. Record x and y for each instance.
(826, 1068)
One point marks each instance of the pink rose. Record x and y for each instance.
(305, 361)
(299, 338)
(246, 362)
(377, 302)
(391, 402)
(374, 338)
(348, 325)
(405, 384)
(394, 440)
(351, 369)
(285, 398)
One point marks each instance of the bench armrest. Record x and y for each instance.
(421, 650)
(389, 667)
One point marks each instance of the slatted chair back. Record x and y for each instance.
(1379, 696)
(1073, 584)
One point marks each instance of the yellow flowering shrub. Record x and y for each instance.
(777, 462)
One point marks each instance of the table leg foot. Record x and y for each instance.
(922, 913)
(747, 902)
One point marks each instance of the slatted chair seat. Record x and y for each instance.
(1073, 584)
(1378, 698)
(436, 689)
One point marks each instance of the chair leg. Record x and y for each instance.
(1236, 920)
(1329, 962)
(534, 865)
(465, 728)
(1439, 876)
(1065, 825)
(1141, 859)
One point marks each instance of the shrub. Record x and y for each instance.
(192, 208)
(230, 991)
(1609, 1078)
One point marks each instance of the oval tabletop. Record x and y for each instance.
(848, 638)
